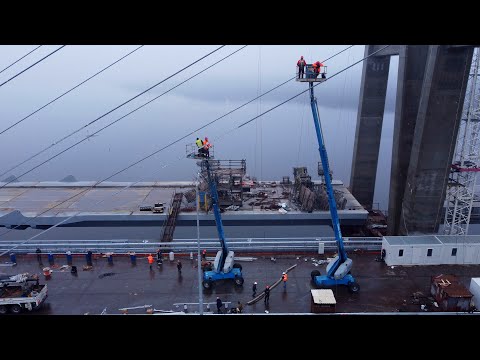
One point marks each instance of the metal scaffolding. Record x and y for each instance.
(462, 187)
(229, 176)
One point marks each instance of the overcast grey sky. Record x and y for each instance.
(272, 145)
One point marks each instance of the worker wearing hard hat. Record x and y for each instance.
(219, 305)
(301, 67)
(254, 289)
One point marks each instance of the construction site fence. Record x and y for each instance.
(239, 245)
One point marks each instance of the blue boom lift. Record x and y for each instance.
(338, 270)
(223, 266)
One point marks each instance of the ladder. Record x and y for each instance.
(169, 224)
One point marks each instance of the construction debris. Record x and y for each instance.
(87, 267)
(320, 262)
(125, 310)
(232, 207)
(244, 258)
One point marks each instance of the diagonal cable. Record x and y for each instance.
(35, 63)
(21, 58)
(293, 97)
(65, 93)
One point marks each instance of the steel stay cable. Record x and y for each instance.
(35, 63)
(65, 93)
(21, 58)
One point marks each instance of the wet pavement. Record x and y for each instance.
(382, 289)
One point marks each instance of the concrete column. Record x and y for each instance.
(411, 71)
(434, 139)
(369, 126)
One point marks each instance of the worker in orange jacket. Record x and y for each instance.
(317, 68)
(150, 260)
(206, 147)
(284, 279)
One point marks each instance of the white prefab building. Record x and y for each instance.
(475, 290)
(431, 249)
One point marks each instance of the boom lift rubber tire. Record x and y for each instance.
(207, 284)
(238, 281)
(314, 273)
(3, 310)
(237, 266)
(16, 309)
(353, 287)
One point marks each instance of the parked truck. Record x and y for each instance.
(21, 292)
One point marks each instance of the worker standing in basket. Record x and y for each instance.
(199, 143)
(317, 67)
(301, 67)
(206, 147)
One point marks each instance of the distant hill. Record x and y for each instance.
(11, 178)
(69, 178)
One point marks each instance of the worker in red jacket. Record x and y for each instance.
(301, 67)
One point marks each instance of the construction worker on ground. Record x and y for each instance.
(284, 279)
(206, 147)
(239, 307)
(204, 254)
(179, 266)
(301, 67)
(39, 256)
(219, 305)
(254, 289)
(150, 260)
(267, 295)
(159, 257)
(199, 143)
